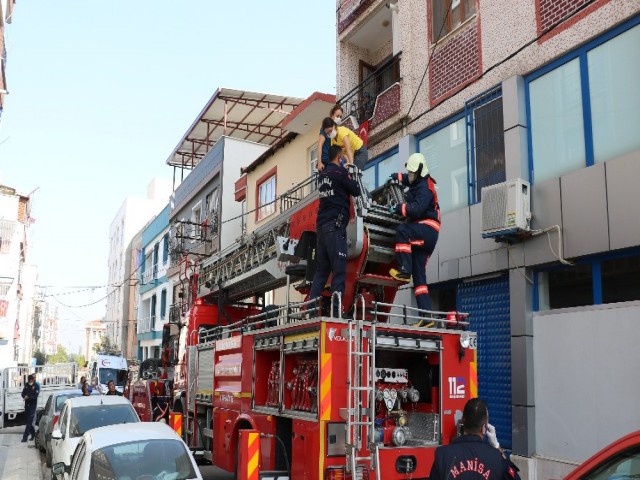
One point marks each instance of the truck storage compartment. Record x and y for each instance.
(267, 379)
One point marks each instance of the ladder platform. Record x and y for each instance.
(381, 280)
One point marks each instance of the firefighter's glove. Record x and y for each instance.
(392, 177)
(491, 436)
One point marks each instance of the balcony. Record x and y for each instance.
(146, 324)
(377, 98)
(349, 11)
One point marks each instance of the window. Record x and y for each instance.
(378, 170)
(165, 248)
(447, 18)
(6, 234)
(485, 131)
(446, 155)
(243, 208)
(267, 197)
(196, 219)
(623, 465)
(156, 255)
(582, 108)
(153, 312)
(313, 159)
(163, 304)
(600, 280)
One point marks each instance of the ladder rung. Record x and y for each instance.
(363, 458)
(362, 354)
(362, 389)
(360, 423)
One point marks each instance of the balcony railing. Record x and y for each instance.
(149, 275)
(361, 101)
(146, 324)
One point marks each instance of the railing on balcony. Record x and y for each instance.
(292, 196)
(146, 324)
(361, 100)
(150, 275)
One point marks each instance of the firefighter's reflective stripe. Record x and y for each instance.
(175, 420)
(249, 455)
(403, 247)
(325, 387)
(421, 290)
(431, 223)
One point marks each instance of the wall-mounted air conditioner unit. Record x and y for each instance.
(506, 208)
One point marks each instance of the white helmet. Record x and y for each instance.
(415, 161)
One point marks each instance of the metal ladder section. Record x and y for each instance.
(361, 392)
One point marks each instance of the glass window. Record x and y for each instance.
(84, 419)
(60, 399)
(386, 167)
(625, 465)
(566, 287)
(163, 303)
(458, 13)
(557, 130)
(146, 458)
(369, 178)
(615, 96)
(488, 134)
(165, 248)
(446, 155)
(621, 280)
(267, 205)
(313, 159)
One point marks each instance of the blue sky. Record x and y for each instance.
(101, 92)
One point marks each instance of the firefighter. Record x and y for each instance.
(468, 457)
(335, 188)
(416, 239)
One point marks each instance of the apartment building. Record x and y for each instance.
(6, 15)
(155, 291)
(539, 90)
(233, 129)
(133, 264)
(94, 331)
(130, 218)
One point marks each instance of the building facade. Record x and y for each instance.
(133, 264)
(6, 15)
(539, 90)
(15, 220)
(94, 331)
(155, 291)
(131, 217)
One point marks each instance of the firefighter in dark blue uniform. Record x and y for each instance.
(416, 239)
(468, 457)
(335, 188)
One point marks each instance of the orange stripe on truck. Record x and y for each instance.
(325, 386)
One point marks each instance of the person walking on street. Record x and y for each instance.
(30, 394)
(416, 239)
(468, 457)
(335, 188)
(112, 389)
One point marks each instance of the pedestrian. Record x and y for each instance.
(30, 394)
(354, 148)
(468, 456)
(82, 381)
(324, 142)
(111, 389)
(416, 239)
(85, 389)
(335, 188)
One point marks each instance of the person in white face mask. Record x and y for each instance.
(354, 148)
(416, 239)
(324, 142)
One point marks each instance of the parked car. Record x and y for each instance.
(618, 461)
(81, 414)
(47, 418)
(148, 451)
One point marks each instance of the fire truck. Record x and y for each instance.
(290, 391)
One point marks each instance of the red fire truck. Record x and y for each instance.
(291, 392)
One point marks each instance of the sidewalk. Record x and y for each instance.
(18, 461)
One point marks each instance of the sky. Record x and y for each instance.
(100, 93)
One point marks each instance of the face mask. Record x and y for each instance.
(333, 134)
(30, 383)
(338, 120)
(412, 177)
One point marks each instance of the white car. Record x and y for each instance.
(80, 415)
(142, 451)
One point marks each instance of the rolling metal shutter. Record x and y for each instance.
(487, 302)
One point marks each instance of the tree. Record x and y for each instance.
(105, 346)
(59, 357)
(40, 357)
(79, 359)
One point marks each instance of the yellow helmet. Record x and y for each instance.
(414, 162)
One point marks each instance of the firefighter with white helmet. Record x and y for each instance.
(416, 239)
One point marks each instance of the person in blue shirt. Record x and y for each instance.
(324, 140)
(335, 189)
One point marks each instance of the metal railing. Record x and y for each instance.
(413, 316)
(361, 100)
(146, 324)
(294, 195)
(149, 275)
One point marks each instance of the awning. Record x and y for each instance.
(251, 116)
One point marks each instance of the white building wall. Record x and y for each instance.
(132, 216)
(25, 317)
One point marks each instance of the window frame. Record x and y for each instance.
(375, 163)
(448, 29)
(581, 54)
(262, 181)
(163, 304)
